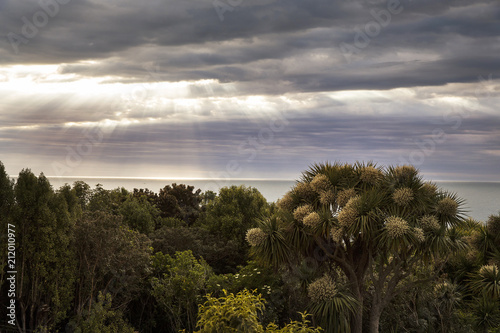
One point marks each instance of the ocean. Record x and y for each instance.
(482, 198)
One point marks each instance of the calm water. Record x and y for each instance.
(482, 198)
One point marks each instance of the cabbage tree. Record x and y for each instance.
(376, 225)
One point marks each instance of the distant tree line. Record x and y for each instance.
(350, 248)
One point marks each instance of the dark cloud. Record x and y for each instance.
(188, 40)
(403, 78)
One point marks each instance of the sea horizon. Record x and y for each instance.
(481, 197)
(241, 178)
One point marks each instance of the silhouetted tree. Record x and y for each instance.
(46, 262)
(180, 201)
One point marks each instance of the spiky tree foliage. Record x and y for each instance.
(331, 304)
(476, 270)
(268, 243)
(487, 281)
(375, 224)
(485, 285)
(490, 239)
(486, 313)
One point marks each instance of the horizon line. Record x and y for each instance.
(170, 178)
(236, 179)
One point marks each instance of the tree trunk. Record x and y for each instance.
(356, 287)
(375, 313)
(358, 321)
(357, 325)
(23, 316)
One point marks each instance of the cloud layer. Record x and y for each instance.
(188, 88)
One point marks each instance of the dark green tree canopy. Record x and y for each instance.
(233, 211)
(6, 191)
(180, 201)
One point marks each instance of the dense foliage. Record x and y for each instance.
(349, 248)
(383, 230)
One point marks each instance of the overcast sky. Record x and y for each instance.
(249, 88)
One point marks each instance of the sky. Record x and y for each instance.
(249, 89)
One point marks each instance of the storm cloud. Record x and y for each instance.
(186, 88)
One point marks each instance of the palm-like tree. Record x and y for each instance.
(486, 313)
(375, 224)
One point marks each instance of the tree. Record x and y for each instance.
(139, 214)
(208, 197)
(435, 306)
(6, 206)
(100, 199)
(489, 240)
(179, 287)
(102, 318)
(112, 259)
(486, 304)
(476, 270)
(180, 201)
(484, 283)
(72, 201)
(46, 261)
(220, 254)
(83, 192)
(376, 225)
(233, 211)
(6, 193)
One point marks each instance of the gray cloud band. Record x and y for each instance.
(453, 119)
(39, 20)
(248, 151)
(364, 35)
(75, 154)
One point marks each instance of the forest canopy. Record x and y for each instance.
(350, 248)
